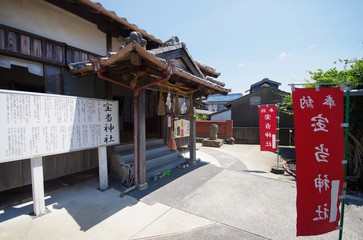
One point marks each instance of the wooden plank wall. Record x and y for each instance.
(17, 173)
(225, 128)
(181, 142)
(251, 135)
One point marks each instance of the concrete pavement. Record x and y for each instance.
(230, 194)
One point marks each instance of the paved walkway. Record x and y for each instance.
(230, 194)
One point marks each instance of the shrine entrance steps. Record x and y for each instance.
(158, 158)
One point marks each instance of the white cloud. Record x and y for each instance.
(246, 65)
(313, 46)
(284, 55)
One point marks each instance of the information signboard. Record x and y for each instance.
(181, 128)
(35, 124)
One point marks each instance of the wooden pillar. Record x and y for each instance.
(102, 167)
(109, 42)
(192, 142)
(166, 128)
(136, 141)
(38, 186)
(142, 183)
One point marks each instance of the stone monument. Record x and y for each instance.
(213, 140)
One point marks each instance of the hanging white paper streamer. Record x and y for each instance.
(168, 101)
(183, 108)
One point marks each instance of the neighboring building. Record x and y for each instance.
(244, 113)
(205, 113)
(221, 115)
(59, 47)
(217, 102)
(264, 83)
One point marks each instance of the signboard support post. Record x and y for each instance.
(102, 166)
(38, 186)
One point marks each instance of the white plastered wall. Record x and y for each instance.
(226, 115)
(116, 43)
(44, 19)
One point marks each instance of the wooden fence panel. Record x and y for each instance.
(17, 173)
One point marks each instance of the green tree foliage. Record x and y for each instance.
(352, 74)
(286, 105)
(201, 116)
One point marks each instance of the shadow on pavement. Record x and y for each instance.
(155, 185)
(174, 188)
(78, 194)
(354, 201)
(287, 152)
(253, 171)
(89, 207)
(22, 209)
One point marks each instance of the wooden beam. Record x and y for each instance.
(135, 59)
(201, 82)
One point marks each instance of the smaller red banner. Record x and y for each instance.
(268, 125)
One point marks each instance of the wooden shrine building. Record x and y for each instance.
(78, 48)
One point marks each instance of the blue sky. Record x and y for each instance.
(248, 40)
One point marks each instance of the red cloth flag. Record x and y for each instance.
(319, 146)
(268, 125)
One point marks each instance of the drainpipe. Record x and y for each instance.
(154, 83)
(101, 76)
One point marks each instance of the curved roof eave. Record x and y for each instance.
(101, 9)
(135, 47)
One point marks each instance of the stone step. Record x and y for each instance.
(129, 148)
(150, 154)
(158, 157)
(159, 169)
(160, 160)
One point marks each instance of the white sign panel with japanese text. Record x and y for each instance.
(35, 124)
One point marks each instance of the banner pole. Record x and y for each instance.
(346, 139)
(278, 137)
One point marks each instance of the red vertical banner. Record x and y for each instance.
(319, 146)
(268, 127)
